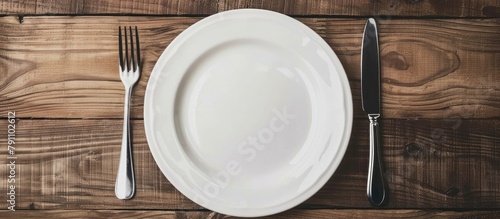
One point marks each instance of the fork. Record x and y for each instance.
(129, 74)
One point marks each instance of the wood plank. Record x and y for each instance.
(155, 7)
(92, 7)
(382, 8)
(318, 213)
(71, 164)
(430, 68)
(135, 214)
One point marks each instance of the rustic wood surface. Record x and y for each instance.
(430, 68)
(440, 92)
(391, 8)
(320, 213)
(448, 163)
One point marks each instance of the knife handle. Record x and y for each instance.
(376, 186)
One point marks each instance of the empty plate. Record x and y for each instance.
(248, 112)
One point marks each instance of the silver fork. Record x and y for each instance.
(129, 74)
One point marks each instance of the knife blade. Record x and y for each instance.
(370, 97)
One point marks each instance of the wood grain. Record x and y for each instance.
(430, 68)
(135, 214)
(85, 7)
(382, 8)
(319, 213)
(71, 164)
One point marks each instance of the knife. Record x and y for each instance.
(370, 97)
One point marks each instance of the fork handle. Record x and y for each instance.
(125, 180)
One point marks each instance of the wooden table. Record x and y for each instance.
(440, 91)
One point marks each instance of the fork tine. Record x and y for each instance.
(138, 48)
(120, 49)
(132, 60)
(127, 58)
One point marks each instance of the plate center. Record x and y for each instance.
(244, 108)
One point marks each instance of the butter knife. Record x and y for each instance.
(370, 96)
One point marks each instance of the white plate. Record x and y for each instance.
(248, 112)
